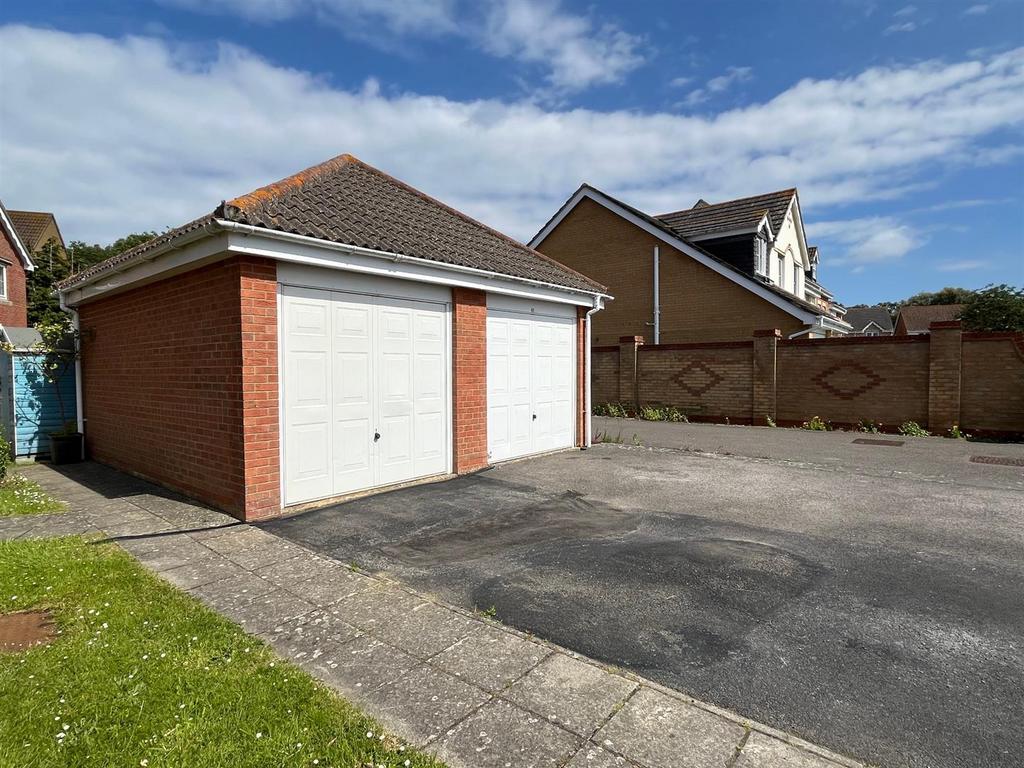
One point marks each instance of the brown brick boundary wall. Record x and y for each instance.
(974, 380)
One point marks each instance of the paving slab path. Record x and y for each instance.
(470, 690)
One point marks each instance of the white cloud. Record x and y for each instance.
(906, 26)
(717, 84)
(857, 242)
(154, 134)
(963, 265)
(907, 10)
(679, 82)
(978, 9)
(575, 51)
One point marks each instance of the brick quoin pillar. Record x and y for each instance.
(629, 385)
(581, 376)
(260, 422)
(766, 344)
(469, 382)
(944, 364)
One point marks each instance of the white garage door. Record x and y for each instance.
(531, 383)
(365, 391)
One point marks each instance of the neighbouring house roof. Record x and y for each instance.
(745, 213)
(678, 241)
(16, 242)
(861, 317)
(20, 338)
(812, 253)
(32, 225)
(917, 318)
(349, 202)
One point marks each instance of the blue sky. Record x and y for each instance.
(902, 124)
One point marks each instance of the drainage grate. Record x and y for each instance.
(872, 441)
(1006, 461)
(24, 629)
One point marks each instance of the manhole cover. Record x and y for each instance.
(24, 629)
(872, 441)
(1006, 461)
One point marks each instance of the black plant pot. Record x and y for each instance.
(66, 449)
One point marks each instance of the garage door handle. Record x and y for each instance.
(376, 436)
(535, 417)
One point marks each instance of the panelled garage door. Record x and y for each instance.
(365, 391)
(531, 383)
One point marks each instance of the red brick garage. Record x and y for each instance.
(250, 358)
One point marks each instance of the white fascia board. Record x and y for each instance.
(162, 263)
(678, 244)
(320, 253)
(19, 246)
(798, 221)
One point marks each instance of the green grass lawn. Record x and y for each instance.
(143, 675)
(20, 496)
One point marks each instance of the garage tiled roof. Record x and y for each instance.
(917, 318)
(347, 201)
(705, 218)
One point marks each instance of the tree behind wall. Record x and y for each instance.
(43, 305)
(995, 308)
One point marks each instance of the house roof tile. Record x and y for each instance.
(347, 201)
(917, 318)
(31, 225)
(860, 317)
(704, 218)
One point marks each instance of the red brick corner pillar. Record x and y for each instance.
(629, 383)
(469, 382)
(944, 360)
(261, 453)
(766, 344)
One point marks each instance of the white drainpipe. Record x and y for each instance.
(588, 420)
(657, 295)
(80, 416)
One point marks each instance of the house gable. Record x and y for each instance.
(698, 302)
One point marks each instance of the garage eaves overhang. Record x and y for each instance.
(220, 238)
(586, 192)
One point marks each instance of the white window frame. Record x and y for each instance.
(3, 281)
(796, 276)
(760, 256)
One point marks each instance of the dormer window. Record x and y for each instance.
(760, 256)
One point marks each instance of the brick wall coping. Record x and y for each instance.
(696, 345)
(840, 340)
(768, 332)
(993, 335)
(631, 339)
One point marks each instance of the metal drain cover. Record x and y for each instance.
(873, 441)
(1006, 461)
(24, 629)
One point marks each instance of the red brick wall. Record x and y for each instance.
(845, 380)
(469, 382)
(13, 309)
(180, 385)
(604, 384)
(261, 424)
(992, 394)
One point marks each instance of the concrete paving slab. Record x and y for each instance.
(199, 572)
(307, 637)
(763, 751)
(500, 735)
(491, 658)
(373, 608)
(591, 756)
(424, 703)
(330, 588)
(426, 629)
(266, 612)
(576, 695)
(159, 553)
(300, 567)
(358, 668)
(663, 732)
(225, 594)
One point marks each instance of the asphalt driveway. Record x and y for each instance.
(875, 608)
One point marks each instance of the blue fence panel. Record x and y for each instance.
(36, 406)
